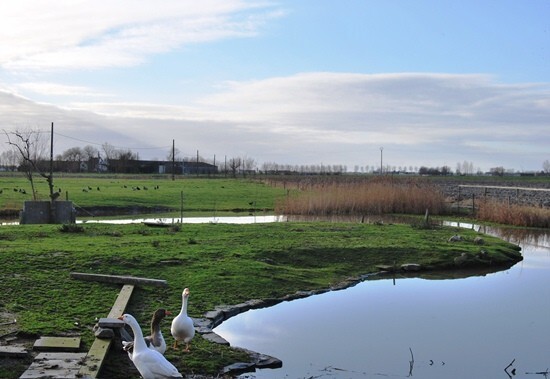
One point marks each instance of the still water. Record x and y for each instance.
(473, 327)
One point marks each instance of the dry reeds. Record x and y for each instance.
(374, 197)
(517, 215)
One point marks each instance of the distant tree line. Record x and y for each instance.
(30, 147)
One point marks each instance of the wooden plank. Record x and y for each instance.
(118, 279)
(94, 359)
(57, 344)
(55, 366)
(13, 351)
(121, 301)
(100, 347)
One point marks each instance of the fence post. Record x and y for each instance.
(458, 201)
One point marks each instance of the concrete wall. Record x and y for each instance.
(38, 212)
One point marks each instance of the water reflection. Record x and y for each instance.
(162, 221)
(466, 328)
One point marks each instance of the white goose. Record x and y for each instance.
(150, 363)
(155, 340)
(182, 328)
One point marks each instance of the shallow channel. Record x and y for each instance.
(409, 327)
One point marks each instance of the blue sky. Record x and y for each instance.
(293, 82)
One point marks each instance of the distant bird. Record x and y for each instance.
(155, 340)
(182, 328)
(150, 363)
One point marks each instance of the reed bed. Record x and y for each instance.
(352, 197)
(516, 215)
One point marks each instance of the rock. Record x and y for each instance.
(238, 368)
(266, 361)
(215, 338)
(455, 238)
(461, 259)
(203, 325)
(411, 267)
(104, 333)
(479, 241)
(216, 316)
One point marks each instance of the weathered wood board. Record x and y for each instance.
(118, 279)
(13, 351)
(100, 347)
(55, 366)
(57, 344)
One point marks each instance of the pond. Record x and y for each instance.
(473, 327)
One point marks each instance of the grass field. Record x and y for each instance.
(198, 196)
(220, 263)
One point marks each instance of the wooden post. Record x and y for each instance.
(458, 201)
(181, 207)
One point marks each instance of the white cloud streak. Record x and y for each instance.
(39, 35)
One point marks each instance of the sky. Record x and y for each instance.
(304, 82)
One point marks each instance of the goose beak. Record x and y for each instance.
(168, 313)
(121, 318)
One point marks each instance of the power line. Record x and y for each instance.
(117, 147)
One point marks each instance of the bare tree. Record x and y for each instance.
(89, 152)
(75, 155)
(546, 166)
(249, 164)
(9, 159)
(234, 164)
(109, 151)
(31, 146)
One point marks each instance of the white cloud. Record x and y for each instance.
(56, 89)
(38, 35)
(335, 118)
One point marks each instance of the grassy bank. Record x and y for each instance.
(221, 264)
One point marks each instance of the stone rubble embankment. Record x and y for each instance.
(518, 192)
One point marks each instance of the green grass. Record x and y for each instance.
(199, 195)
(220, 263)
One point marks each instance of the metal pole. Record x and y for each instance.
(381, 150)
(173, 159)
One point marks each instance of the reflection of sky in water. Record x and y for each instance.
(475, 325)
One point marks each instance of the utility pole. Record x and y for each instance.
(50, 179)
(197, 163)
(381, 150)
(173, 159)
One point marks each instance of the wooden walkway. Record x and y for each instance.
(53, 364)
